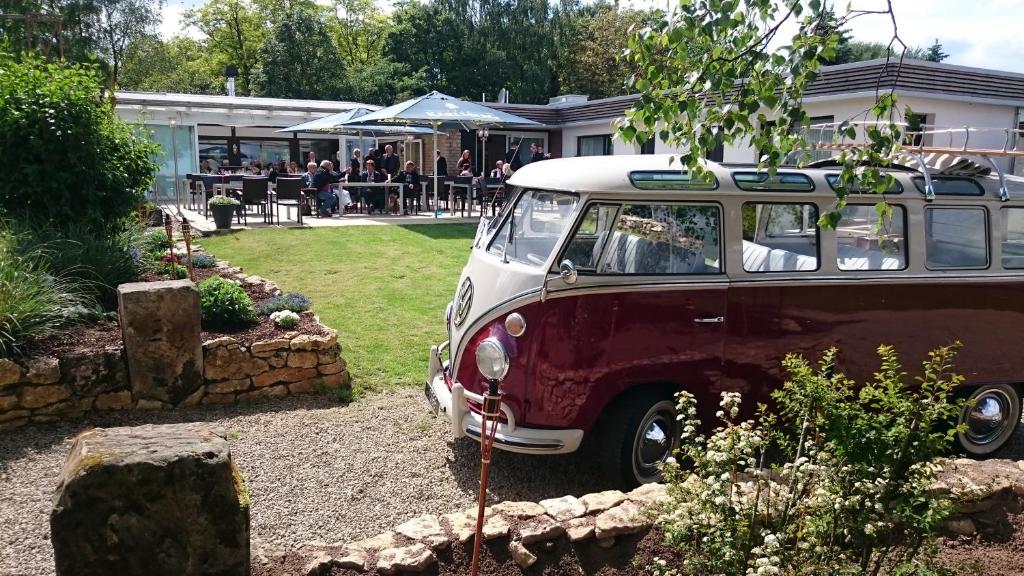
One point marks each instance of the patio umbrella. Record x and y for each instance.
(439, 110)
(333, 124)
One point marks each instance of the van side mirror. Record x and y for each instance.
(567, 270)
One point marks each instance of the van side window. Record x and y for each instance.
(653, 239)
(956, 237)
(587, 244)
(779, 237)
(865, 241)
(1013, 238)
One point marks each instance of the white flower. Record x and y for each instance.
(285, 318)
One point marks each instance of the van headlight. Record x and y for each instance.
(492, 359)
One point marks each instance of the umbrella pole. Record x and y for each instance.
(436, 206)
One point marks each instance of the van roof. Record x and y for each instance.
(611, 173)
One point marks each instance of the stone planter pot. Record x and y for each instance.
(223, 214)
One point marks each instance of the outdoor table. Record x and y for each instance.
(384, 185)
(469, 193)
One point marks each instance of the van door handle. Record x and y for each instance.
(709, 320)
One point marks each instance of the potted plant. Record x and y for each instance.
(223, 208)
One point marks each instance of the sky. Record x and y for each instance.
(981, 33)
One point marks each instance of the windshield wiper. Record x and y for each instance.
(508, 239)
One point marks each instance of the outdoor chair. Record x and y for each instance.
(289, 193)
(208, 181)
(461, 193)
(487, 191)
(255, 192)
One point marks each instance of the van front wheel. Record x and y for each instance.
(990, 418)
(641, 433)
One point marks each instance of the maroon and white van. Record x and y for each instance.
(607, 283)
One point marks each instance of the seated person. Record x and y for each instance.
(307, 178)
(371, 174)
(326, 199)
(410, 180)
(498, 171)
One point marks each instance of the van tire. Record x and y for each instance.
(992, 419)
(623, 439)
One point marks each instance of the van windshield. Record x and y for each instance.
(533, 226)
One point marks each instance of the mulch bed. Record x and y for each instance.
(78, 340)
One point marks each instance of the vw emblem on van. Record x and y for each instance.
(463, 301)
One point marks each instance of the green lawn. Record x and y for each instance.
(384, 288)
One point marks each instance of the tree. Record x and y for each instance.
(383, 82)
(235, 33)
(934, 52)
(588, 59)
(121, 21)
(177, 65)
(298, 59)
(360, 31)
(713, 72)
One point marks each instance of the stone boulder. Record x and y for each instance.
(155, 500)
(94, 374)
(160, 322)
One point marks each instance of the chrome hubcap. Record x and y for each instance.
(655, 442)
(988, 418)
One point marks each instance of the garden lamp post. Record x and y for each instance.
(484, 133)
(169, 228)
(174, 154)
(492, 361)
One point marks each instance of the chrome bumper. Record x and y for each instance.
(465, 422)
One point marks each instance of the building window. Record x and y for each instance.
(600, 145)
(648, 146)
(818, 134)
(718, 153)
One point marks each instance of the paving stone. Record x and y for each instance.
(648, 494)
(564, 508)
(378, 542)
(426, 529)
(519, 509)
(626, 518)
(540, 529)
(523, 557)
(579, 528)
(462, 526)
(601, 501)
(413, 558)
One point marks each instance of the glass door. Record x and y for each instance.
(524, 139)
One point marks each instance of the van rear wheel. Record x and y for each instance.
(990, 418)
(639, 435)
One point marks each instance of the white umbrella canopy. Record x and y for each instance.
(439, 110)
(338, 124)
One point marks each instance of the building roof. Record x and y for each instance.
(234, 103)
(913, 76)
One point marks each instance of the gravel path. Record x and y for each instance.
(316, 470)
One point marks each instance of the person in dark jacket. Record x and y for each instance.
(410, 180)
(375, 195)
(389, 163)
(355, 165)
(538, 153)
(512, 159)
(327, 201)
(442, 165)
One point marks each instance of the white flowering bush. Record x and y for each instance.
(836, 482)
(285, 319)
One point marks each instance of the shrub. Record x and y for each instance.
(224, 304)
(54, 110)
(294, 301)
(173, 270)
(33, 303)
(154, 242)
(285, 319)
(223, 199)
(203, 260)
(852, 495)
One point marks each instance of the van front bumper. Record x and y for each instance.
(465, 422)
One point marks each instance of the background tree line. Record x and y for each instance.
(352, 50)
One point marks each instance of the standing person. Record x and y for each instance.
(512, 157)
(538, 153)
(326, 199)
(465, 163)
(310, 157)
(410, 180)
(442, 165)
(389, 162)
(355, 164)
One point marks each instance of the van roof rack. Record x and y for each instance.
(925, 139)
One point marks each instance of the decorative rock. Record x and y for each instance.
(626, 518)
(495, 526)
(13, 415)
(519, 509)
(145, 404)
(39, 396)
(268, 392)
(194, 399)
(10, 372)
(601, 501)
(8, 402)
(95, 373)
(540, 529)
(218, 342)
(354, 558)
(126, 493)
(320, 565)
(378, 542)
(332, 368)
(960, 527)
(229, 386)
(304, 387)
(276, 359)
(580, 528)
(45, 370)
(336, 380)
(523, 557)
(232, 363)
(114, 401)
(426, 529)
(414, 558)
(330, 355)
(283, 375)
(302, 359)
(648, 494)
(270, 346)
(310, 342)
(160, 324)
(462, 525)
(564, 508)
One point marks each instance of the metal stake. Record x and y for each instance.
(186, 233)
